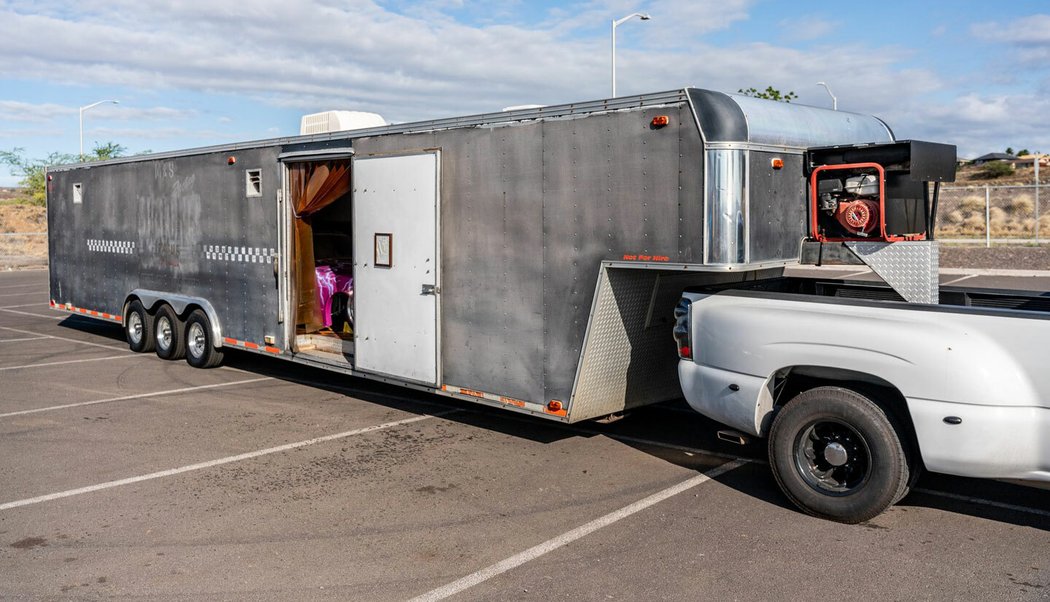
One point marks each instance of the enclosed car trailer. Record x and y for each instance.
(527, 259)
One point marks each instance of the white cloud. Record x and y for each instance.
(25, 112)
(13, 110)
(1033, 30)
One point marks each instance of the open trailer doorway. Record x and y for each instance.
(322, 259)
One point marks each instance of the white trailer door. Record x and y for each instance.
(395, 266)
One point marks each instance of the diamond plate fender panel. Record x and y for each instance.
(910, 267)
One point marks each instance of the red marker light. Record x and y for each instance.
(660, 121)
(231, 160)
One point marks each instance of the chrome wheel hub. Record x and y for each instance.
(832, 457)
(836, 454)
(135, 327)
(196, 339)
(164, 333)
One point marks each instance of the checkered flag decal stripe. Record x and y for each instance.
(238, 254)
(122, 247)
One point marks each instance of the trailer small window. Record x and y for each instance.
(78, 193)
(253, 182)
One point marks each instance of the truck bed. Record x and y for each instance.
(851, 292)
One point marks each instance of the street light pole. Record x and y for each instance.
(82, 109)
(834, 101)
(643, 17)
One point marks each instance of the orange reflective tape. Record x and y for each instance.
(250, 345)
(229, 341)
(512, 401)
(271, 349)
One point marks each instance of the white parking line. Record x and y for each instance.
(25, 339)
(26, 313)
(51, 336)
(37, 304)
(90, 359)
(136, 396)
(219, 462)
(18, 286)
(958, 280)
(44, 293)
(983, 502)
(570, 536)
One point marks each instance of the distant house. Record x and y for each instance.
(1029, 160)
(993, 157)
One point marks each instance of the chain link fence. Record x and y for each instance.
(1018, 213)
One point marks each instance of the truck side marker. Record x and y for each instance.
(87, 312)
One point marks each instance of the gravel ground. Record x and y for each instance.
(1005, 257)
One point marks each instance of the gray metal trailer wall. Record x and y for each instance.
(528, 212)
(182, 225)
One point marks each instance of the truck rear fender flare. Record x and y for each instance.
(182, 304)
(784, 384)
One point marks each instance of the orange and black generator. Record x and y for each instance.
(876, 192)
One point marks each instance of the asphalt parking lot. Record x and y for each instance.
(125, 475)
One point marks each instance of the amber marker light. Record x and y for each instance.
(777, 163)
(660, 121)
(554, 405)
(231, 160)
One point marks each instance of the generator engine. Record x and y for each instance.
(876, 192)
(854, 203)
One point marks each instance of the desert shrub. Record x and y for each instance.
(993, 170)
(974, 223)
(953, 218)
(972, 203)
(1023, 204)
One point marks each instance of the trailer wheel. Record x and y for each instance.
(138, 328)
(836, 455)
(168, 333)
(200, 348)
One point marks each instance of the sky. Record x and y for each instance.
(191, 73)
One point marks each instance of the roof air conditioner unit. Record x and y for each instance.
(339, 121)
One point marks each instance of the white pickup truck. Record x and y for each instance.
(857, 390)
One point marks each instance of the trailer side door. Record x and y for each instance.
(396, 280)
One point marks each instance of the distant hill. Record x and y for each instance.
(967, 176)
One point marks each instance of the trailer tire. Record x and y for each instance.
(200, 348)
(138, 328)
(836, 455)
(168, 332)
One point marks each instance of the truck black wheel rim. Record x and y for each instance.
(832, 457)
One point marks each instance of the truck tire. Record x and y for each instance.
(138, 328)
(200, 347)
(836, 455)
(168, 334)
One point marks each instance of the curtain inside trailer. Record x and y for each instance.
(312, 186)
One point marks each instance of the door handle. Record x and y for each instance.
(430, 289)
